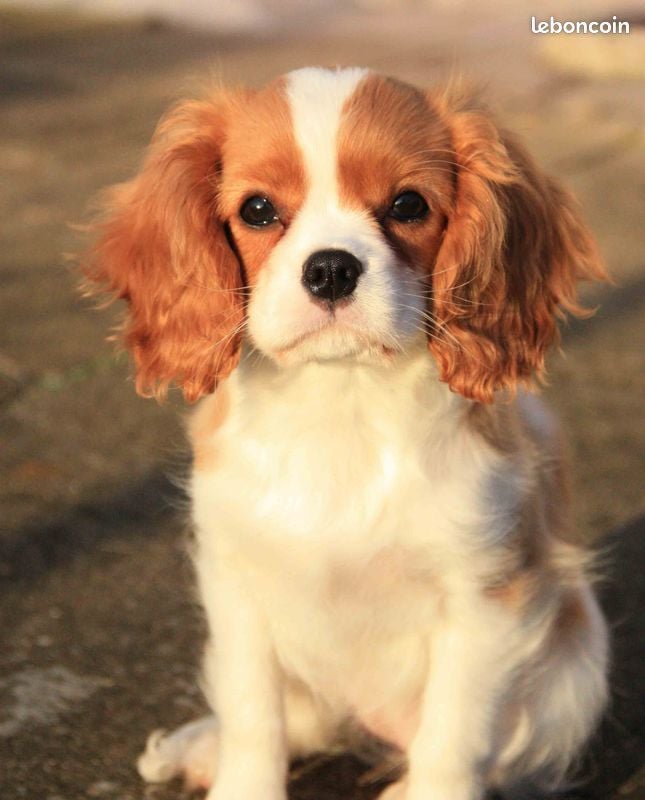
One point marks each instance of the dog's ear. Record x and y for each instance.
(162, 248)
(512, 253)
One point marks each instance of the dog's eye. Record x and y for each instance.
(258, 211)
(408, 207)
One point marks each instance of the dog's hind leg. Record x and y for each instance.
(561, 703)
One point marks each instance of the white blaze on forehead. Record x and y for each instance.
(317, 97)
(283, 321)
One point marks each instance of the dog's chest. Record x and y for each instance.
(345, 591)
(348, 469)
(341, 518)
(344, 577)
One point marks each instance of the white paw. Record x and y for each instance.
(191, 752)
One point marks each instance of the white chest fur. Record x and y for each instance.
(346, 494)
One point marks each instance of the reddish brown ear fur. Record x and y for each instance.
(162, 248)
(513, 250)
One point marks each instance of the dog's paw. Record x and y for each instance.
(191, 752)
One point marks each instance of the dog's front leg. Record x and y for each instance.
(471, 658)
(244, 686)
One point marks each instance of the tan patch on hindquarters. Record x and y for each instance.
(572, 615)
(516, 593)
(202, 426)
(523, 569)
(533, 561)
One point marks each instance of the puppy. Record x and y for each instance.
(361, 280)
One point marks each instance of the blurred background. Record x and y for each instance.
(100, 638)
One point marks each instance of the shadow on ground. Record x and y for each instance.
(40, 547)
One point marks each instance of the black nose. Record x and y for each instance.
(331, 274)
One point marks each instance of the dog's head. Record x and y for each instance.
(340, 215)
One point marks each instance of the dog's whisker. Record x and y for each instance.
(230, 335)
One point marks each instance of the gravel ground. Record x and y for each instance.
(100, 635)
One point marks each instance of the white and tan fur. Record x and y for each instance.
(375, 553)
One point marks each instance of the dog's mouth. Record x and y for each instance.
(333, 340)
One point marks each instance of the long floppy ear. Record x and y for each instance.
(513, 250)
(162, 248)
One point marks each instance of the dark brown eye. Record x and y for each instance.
(408, 207)
(258, 211)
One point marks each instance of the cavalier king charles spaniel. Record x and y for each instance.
(361, 280)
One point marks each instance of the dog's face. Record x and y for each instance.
(340, 215)
(336, 193)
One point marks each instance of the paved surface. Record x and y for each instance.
(99, 635)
